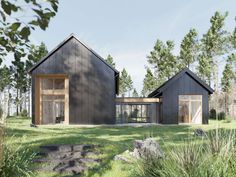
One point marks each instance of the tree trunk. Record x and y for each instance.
(17, 102)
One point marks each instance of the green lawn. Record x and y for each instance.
(112, 140)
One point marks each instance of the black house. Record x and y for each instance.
(183, 99)
(73, 85)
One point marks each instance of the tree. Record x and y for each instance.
(214, 44)
(229, 73)
(227, 78)
(204, 68)
(135, 93)
(110, 61)
(6, 79)
(18, 19)
(188, 49)
(19, 82)
(126, 83)
(149, 82)
(162, 60)
(35, 54)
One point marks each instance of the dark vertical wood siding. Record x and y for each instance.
(185, 85)
(91, 83)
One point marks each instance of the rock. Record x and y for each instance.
(147, 148)
(199, 132)
(72, 159)
(121, 158)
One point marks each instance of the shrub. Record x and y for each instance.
(221, 116)
(213, 156)
(16, 162)
(213, 114)
(24, 113)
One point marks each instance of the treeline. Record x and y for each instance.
(17, 82)
(202, 54)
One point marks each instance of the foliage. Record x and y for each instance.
(112, 140)
(188, 49)
(212, 114)
(221, 116)
(214, 156)
(162, 60)
(149, 83)
(18, 19)
(229, 75)
(135, 93)
(213, 44)
(16, 161)
(125, 82)
(5, 77)
(24, 113)
(205, 68)
(110, 61)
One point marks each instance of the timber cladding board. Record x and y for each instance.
(92, 84)
(136, 100)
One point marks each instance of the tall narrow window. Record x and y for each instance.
(190, 109)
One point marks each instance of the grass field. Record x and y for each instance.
(112, 140)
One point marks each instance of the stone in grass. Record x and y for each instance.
(147, 148)
(199, 132)
(123, 157)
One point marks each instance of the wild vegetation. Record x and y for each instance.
(112, 140)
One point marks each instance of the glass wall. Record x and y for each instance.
(190, 109)
(132, 113)
(52, 100)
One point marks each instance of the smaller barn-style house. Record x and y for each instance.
(74, 85)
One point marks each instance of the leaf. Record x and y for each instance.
(6, 7)
(25, 32)
(15, 26)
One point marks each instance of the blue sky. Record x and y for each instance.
(128, 29)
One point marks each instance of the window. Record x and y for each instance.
(132, 113)
(52, 84)
(190, 109)
(53, 99)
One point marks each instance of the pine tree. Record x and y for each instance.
(135, 93)
(110, 61)
(126, 83)
(227, 78)
(214, 44)
(188, 49)
(162, 60)
(149, 83)
(204, 68)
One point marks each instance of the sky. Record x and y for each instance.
(128, 29)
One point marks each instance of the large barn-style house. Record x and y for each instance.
(72, 84)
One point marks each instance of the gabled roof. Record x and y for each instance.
(160, 89)
(64, 42)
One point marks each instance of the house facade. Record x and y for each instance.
(74, 85)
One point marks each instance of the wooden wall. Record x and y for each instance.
(91, 83)
(185, 85)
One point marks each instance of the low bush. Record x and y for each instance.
(212, 114)
(24, 113)
(221, 116)
(16, 161)
(212, 156)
